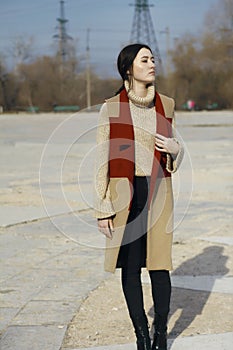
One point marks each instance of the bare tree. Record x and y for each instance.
(21, 50)
(219, 18)
(3, 79)
(203, 66)
(8, 86)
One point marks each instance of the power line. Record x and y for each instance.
(24, 9)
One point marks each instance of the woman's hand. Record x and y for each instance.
(105, 226)
(166, 144)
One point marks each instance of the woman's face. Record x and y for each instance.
(144, 67)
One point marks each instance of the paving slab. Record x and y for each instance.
(201, 342)
(11, 215)
(45, 312)
(219, 239)
(214, 284)
(46, 337)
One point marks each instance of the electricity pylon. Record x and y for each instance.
(62, 36)
(143, 30)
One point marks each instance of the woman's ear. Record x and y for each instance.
(129, 71)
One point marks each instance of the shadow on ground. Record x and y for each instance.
(190, 303)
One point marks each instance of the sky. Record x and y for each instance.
(109, 22)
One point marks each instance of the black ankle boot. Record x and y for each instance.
(142, 333)
(160, 341)
(160, 333)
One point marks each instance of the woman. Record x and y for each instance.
(136, 156)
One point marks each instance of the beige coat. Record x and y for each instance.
(160, 214)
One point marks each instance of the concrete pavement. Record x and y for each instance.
(202, 342)
(213, 342)
(50, 265)
(44, 279)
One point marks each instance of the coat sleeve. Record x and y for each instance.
(102, 199)
(173, 163)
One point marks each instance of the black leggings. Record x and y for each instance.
(132, 288)
(132, 258)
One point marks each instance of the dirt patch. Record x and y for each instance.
(103, 317)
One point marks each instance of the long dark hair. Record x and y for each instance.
(125, 61)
